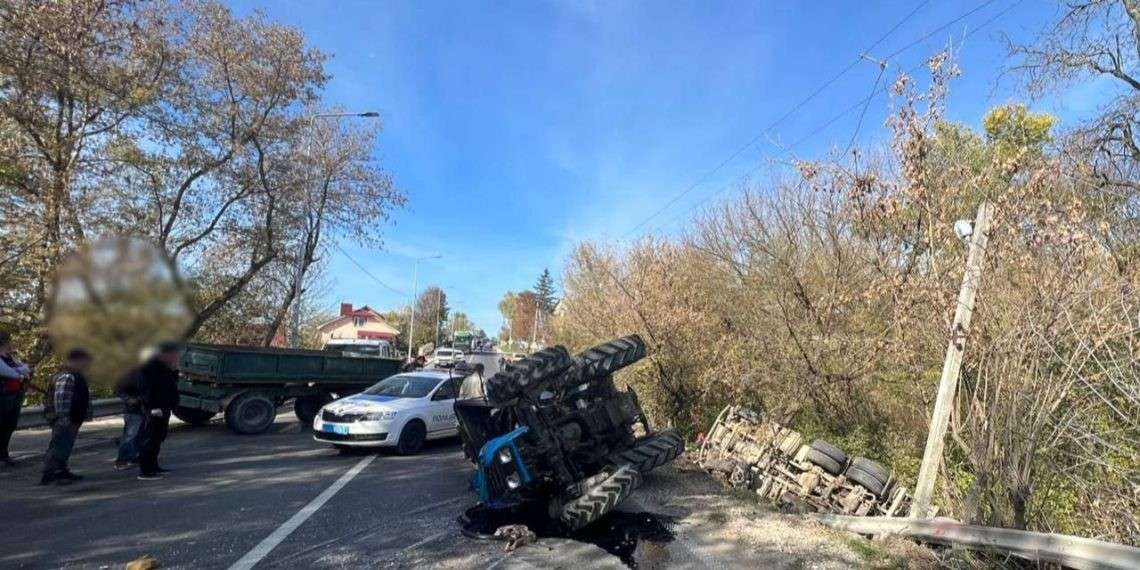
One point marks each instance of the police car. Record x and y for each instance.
(402, 411)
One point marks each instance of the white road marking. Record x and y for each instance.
(266, 546)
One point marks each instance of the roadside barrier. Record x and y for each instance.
(33, 416)
(1068, 551)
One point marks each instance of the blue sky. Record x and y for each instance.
(518, 128)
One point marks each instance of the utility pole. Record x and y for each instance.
(951, 367)
(438, 313)
(415, 291)
(534, 329)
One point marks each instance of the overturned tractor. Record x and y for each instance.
(747, 451)
(554, 430)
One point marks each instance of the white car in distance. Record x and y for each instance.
(447, 355)
(401, 411)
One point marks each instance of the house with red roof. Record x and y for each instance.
(363, 323)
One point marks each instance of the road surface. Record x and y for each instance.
(273, 500)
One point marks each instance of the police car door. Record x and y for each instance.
(442, 414)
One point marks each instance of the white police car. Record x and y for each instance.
(402, 411)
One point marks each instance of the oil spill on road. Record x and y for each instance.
(618, 533)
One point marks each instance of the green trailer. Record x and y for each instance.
(248, 384)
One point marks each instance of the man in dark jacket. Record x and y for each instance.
(66, 406)
(158, 396)
(127, 389)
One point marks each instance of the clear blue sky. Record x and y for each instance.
(518, 128)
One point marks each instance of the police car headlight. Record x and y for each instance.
(505, 455)
(379, 416)
(513, 481)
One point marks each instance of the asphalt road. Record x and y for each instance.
(231, 495)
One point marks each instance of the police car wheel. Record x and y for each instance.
(412, 438)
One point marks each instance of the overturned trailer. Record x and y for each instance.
(747, 451)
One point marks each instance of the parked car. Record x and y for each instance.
(403, 411)
(445, 355)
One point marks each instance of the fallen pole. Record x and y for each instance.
(1069, 551)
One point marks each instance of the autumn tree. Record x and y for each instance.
(179, 123)
(431, 316)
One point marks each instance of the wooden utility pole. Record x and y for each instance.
(948, 385)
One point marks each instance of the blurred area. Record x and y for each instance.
(116, 298)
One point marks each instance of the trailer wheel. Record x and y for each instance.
(250, 413)
(193, 416)
(830, 450)
(600, 498)
(817, 457)
(412, 438)
(867, 480)
(872, 468)
(651, 452)
(307, 407)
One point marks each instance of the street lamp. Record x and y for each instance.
(298, 281)
(415, 291)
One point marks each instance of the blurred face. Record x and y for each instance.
(79, 364)
(169, 358)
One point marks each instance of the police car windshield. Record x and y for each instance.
(404, 386)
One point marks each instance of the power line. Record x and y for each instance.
(366, 272)
(863, 113)
(862, 102)
(775, 123)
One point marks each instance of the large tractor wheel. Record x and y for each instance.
(527, 373)
(651, 452)
(601, 495)
(250, 413)
(609, 357)
(193, 416)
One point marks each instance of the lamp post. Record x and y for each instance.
(415, 292)
(299, 278)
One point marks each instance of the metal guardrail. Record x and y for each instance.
(33, 416)
(1069, 551)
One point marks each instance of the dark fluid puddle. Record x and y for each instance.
(617, 533)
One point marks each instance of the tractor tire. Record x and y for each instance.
(306, 408)
(600, 497)
(412, 438)
(817, 457)
(872, 468)
(830, 450)
(527, 374)
(609, 357)
(650, 452)
(866, 480)
(193, 416)
(250, 414)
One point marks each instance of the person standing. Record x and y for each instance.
(158, 396)
(13, 376)
(127, 389)
(66, 407)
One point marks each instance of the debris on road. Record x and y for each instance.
(554, 431)
(515, 535)
(747, 451)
